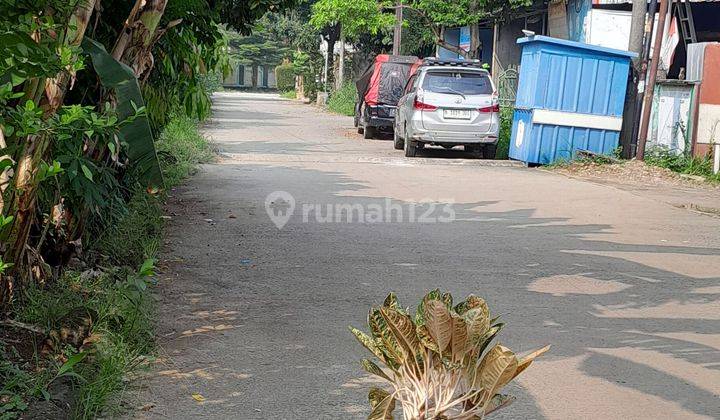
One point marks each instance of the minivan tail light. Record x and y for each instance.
(493, 108)
(423, 106)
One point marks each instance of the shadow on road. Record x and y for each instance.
(624, 322)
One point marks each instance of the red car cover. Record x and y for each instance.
(384, 80)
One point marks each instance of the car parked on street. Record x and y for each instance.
(379, 88)
(448, 103)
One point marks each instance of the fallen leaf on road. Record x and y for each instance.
(197, 397)
(147, 407)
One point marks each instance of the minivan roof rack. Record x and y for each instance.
(433, 61)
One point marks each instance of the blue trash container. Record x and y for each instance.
(570, 97)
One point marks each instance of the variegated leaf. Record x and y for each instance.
(488, 338)
(391, 301)
(438, 322)
(477, 323)
(420, 313)
(425, 339)
(376, 395)
(447, 300)
(383, 404)
(368, 343)
(371, 367)
(495, 370)
(376, 323)
(525, 361)
(403, 330)
(497, 402)
(459, 341)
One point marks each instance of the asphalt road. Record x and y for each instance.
(254, 318)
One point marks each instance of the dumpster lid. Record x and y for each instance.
(573, 44)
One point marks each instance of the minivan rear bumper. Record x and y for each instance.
(454, 137)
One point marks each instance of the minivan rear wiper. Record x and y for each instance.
(454, 91)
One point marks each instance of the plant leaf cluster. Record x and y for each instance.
(439, 362)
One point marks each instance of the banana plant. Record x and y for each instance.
(436, 362)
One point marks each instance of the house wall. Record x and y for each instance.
(232, 78)
(272, 83)
(455, 36)
(506, 51)
(708, 123)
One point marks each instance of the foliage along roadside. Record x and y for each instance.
(682, 163)
(343, 101)
(97, 324)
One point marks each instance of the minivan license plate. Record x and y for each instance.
(457, 114)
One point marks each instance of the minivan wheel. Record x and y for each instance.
(369, 132)
(398, 142)
(410, 148)
(489, 151)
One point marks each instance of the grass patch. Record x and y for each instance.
(342, 101)
(137, 236)
(503, 145)
(181, 148)
(99, 321)
(290, 94)
(97, 325)
(682, 164)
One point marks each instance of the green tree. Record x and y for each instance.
(439, 14)
(354, 17)
(258, 49)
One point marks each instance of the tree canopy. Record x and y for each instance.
(354, 16)
(438, 14)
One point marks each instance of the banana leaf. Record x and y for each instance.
(136, 134)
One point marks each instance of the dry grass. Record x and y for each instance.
(632, 172)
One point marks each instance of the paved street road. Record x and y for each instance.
(624, 286)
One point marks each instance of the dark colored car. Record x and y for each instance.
(379, 89)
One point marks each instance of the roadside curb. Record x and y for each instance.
(389, 160)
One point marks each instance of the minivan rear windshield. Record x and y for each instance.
(454, 82)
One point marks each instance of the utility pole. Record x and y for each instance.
(649, 24)
(650, 89)
(637, 29)
(341, 65)
(397, 35)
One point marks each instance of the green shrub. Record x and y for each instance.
(136, 234)
(290, 94)
(503, 146)
(342, 101)
(180, 148)
(681, 163)
(285, 77)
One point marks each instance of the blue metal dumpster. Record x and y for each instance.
(570, 97)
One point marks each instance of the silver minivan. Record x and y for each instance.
(448, 103)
